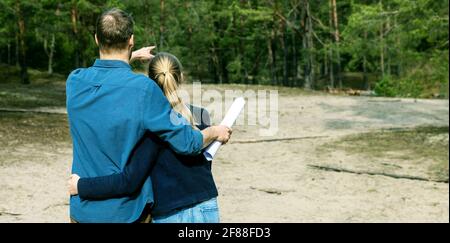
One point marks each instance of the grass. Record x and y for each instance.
(282, 91)
(32, 128)
(418, 144)
(44, 91)
(49, 90)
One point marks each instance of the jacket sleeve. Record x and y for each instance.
(130, 180)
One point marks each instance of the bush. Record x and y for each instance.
(385, 87)
(427, 79)
(401, 87)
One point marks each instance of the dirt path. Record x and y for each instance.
(266, 181)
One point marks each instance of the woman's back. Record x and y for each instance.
(181, 181)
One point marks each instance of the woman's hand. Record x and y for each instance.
(223, 133)
(72, 184)
(216, 133)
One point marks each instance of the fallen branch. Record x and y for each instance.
(336, 169)
(277, 139)
(56, 205)
(384, 101)
(271, 190)
(10, 214)
(41, 111)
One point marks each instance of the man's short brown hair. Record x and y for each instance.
(114, 29)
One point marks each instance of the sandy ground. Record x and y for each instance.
(267, 181)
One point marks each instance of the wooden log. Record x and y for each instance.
(9, 213)
(277, 139)
(361, 172)
(43, 111)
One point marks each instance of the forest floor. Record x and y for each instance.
(334, 159)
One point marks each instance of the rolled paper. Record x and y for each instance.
(228, 120)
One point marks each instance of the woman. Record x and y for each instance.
(183, 186)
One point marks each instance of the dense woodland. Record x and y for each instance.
(395, 47)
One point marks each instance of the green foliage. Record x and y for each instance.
(386, 87)
(402, 42)
(404, 87)
(427, 79)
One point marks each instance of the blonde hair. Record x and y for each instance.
(166, 70)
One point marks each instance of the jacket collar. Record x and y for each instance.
(111, 64)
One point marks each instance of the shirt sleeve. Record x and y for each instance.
(129, 181)
(160, 119)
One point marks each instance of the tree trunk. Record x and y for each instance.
(398, 54)
(272, 59)
(226, 76)
(255, 69)
(311, 54)
(308, 45)
(331, 71)
(337, 39)
(22, 45)
(386, 47)
(215, 65)
(285, 57)
(294, 53)
(324, 68)
(216, 52)
(161, 24)
(74, 21)
(273, 47)
(382, 44)
(16, 53)
(240, 24)
(50, 54)
(294, 61)
(311, 51)
(365, 78)
(9, 54)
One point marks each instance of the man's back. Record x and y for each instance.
(104, 104)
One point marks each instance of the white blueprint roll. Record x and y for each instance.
(228, 120)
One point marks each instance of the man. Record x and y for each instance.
(109, 109)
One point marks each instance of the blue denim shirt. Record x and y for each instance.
(109, 109)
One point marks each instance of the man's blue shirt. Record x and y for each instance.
(110, 108)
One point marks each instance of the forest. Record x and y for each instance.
(346, 121)
(389, 47)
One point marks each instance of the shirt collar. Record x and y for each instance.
(111, 64)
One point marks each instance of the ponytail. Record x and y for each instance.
(165, 69)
